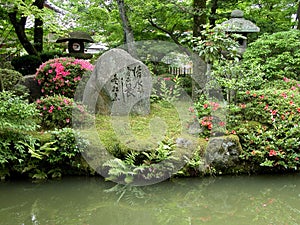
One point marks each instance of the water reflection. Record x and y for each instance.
(221, 200)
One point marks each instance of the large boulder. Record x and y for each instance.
(222, 153)
(119, 85)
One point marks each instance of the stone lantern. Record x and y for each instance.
(76, 41)
(239, 25)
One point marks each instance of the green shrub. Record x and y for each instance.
(142, 166)
(17, 117)
(16, 114)
(14, 155)
(61, 155)
(278, 54)
(53, 153)
(6, 65)
(62, 75)
(26, 64)
(267, 122)
(45, 56)
(9, 78)
(56, 112)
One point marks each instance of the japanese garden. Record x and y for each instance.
(152, 112)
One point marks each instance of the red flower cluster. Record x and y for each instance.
(272, 153)
(207, 122)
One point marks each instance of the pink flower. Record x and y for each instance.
(68, 120)
(274, 112)
(205, 106)
(222, 124)
(191, 109)
(243, 106)
(215, 105)
(286, 79)
(66, 101)
(209, 126)
(284, 95)
(266, 107)
(38, 101)
(272, 153)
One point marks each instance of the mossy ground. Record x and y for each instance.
(142, 132)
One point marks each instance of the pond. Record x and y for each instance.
(230, 200)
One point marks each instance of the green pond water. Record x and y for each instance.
(220, 200)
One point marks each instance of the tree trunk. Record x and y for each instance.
(298, 16)
(199, 66)
(19, 27)
(128, 32)
(199, 7)
(38, 28)
(213, 13)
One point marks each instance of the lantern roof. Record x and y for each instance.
(76, 36)
(238, 24)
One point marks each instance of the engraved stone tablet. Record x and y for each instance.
(119, 85)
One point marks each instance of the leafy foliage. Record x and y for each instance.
(154, 165)
(277, 54)
(167, 89)
(16, 114)
(9, 78)
(53, 153)
(214, 44)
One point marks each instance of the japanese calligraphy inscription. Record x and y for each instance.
(119, 85)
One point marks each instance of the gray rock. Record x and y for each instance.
(119, 85)
(223, 152)
(31, 86)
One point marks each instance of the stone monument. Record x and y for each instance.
(119, 85)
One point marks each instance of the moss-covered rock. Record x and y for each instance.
(222, 153)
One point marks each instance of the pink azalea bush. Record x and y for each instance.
(61, 75)
(207, 111)
(268, 124)
(59, 111)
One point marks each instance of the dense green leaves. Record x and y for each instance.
(277, 54)
(16, 114)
